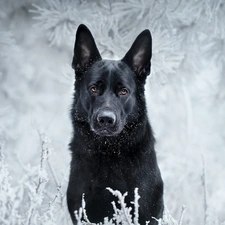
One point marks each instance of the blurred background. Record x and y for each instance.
(185, 96)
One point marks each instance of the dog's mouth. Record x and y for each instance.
(106, 132)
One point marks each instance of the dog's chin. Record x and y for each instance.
(106, 132)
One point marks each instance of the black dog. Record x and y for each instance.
(113, 143)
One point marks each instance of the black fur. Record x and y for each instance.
(113, 143)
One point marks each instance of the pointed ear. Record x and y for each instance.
(139, 56)
(85, 50)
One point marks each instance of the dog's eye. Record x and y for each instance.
(123, 91)
(94, 89)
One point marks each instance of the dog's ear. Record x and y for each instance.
(85, 50)
(139, 55)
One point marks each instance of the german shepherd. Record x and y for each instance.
(113, 143)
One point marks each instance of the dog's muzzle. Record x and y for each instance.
(105, 123)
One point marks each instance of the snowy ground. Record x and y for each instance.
(185, 97)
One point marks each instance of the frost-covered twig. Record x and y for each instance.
(26, 203)
(5, 188)
(136, 206)
(84, 210)
(78, 216)
(49, 214)
(181, 215)
(167, 219)
(36, 194)
(204, 190)
(125, 211)
(44, 154)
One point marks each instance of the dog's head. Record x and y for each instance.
(107, 91)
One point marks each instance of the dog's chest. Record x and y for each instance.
(112, 171)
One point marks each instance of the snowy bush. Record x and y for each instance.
(122, 214)
(29, 201)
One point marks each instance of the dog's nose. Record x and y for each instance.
(106, 118)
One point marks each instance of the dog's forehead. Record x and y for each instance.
(111, 70)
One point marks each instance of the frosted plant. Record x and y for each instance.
(112, 43)
(149, 14)
(8, 46)
(140, 12)
(215, 50)
(10, 54)
(49, 215)
(200, 11)
(213, 13)
(122, 214)
(144, 14)
(10, 6)
(218, 18)
(168, 219)
(36, 190)
(59, 19)
(25, 203)
(207, 19)
(166, 56)
(6, 191)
